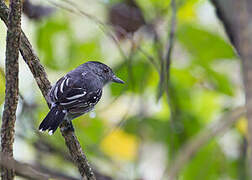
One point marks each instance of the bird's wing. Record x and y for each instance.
(72, 92)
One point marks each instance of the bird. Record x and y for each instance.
(76, 93)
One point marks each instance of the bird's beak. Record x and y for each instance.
(117, 80)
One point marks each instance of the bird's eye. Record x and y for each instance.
(105, 70)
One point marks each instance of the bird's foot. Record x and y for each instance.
(68, 126)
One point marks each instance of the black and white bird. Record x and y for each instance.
(77, 93)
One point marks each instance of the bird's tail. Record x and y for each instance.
(52, 120)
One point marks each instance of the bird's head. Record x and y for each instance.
(104, 72)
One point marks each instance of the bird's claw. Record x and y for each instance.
(68, 127)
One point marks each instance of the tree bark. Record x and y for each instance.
(21, 169)
(76, 153)
(11, 91)
(237, 19)
(44, 84)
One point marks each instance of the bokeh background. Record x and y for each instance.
(133, 134)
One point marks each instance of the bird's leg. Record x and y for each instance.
(68, 126)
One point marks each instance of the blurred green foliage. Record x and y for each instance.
(203, 45)
(56, 31)
(198, 92)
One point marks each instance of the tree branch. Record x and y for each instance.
(171, 39)
(193, 146)
(166, 61)
(21, 169)
(53, 173)
(11, 91)
(40, 76)
(237, 19)
(76, 153)
(28, 171)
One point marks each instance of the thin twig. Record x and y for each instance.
(193, 146)
(166, 62)
(171, 38)
(11, 90)
(165, 77)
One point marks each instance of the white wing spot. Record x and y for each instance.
(62, 84)
(56, 92)
(68, 103)
(50, 132)
(67, 81)
(75, 97)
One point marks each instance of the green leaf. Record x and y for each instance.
(203, 45)
(208, 104)
(220, 82)
(47, 34)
